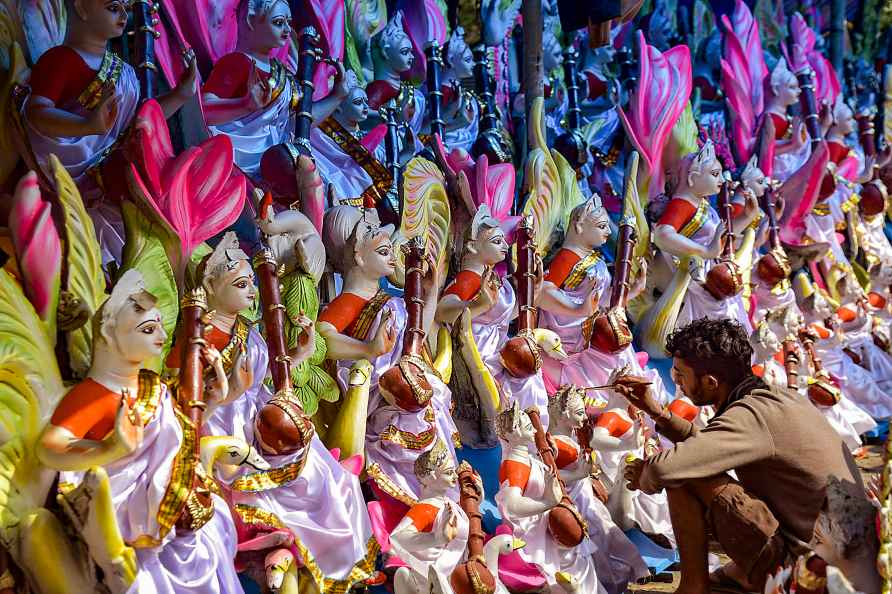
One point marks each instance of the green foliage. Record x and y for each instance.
(311, 382)
(683, 139)
(144, 251)
(867, 37)
(84, 278)
(773, 30)
(351, 58)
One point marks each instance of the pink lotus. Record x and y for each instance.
(743, 77)
(492, 185)
(37, 246)
(804, 55)
(423, 21)
(800, 194)
(197, 194)
(664, 86)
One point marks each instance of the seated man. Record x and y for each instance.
(779, 445)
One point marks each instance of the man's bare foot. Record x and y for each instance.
(730, 572)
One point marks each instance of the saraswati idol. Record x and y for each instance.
(82, 100)
(479, 306)
(274, 502)
(617, 560)
(262, 106)
(534, 505)
(365, 322)
(575, 283)
(690, 226)
(123, 418)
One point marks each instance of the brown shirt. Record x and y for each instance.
(778, 443)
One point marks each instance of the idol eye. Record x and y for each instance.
(148, 330)
(406, 51)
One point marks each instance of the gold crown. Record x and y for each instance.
(560, 400)
(430, 461)
(508, 420)
(780, 73)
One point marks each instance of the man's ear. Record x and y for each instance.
(710, 382)
(471, 246)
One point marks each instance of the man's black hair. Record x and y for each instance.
(715, 347)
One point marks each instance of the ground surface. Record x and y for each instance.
(870, 464)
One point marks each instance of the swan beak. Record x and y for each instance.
(256, 461)
(359, 373)
(559, 353)
(275, 578)
(277, 564)
(517, 544)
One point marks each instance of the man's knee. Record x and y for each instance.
(747, 530)
(704, 489)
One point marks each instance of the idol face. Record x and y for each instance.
(273, 28)
(788, 91)
(708, 181)
(107, 18)
(234, 290)
(399, 55)
(595, 231)
(491, 246)
(138, 333)
(355, 107)
(378, 257)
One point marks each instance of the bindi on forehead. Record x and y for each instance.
(154, 318)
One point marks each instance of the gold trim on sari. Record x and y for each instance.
(359, 329)
(387, 484)
(274, 478)
(148, 395)
(697, 221)
(238, 337)
(182, 478)
(361, 570)
(382, 180)
(255, 515)
(581, 269)
(407, 439)
(822, 209)
(109, 72)
(278, 77)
